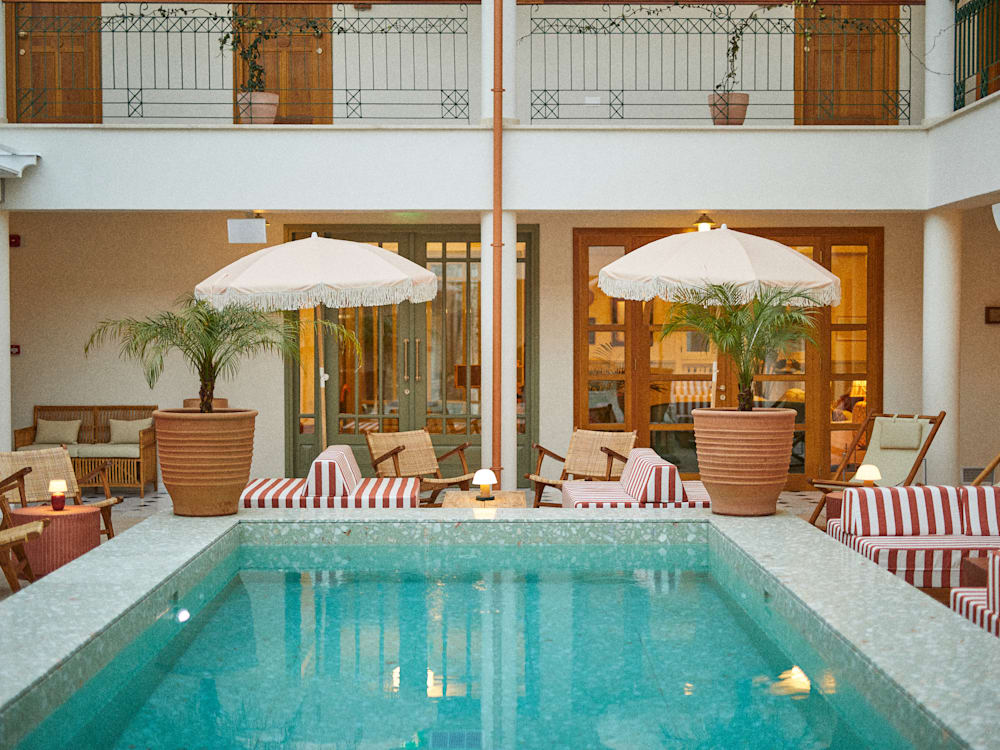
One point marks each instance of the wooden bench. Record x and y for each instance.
(95, 430)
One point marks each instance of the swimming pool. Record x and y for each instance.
(470, 634)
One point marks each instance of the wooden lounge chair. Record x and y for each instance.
(985, 473)
(411, 454)
(896, 444)
(592, 454)
(13, 560)
(55, 463)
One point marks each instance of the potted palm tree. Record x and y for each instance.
(743, 453)
(205, 452)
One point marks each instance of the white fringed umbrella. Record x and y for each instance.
(674, 266)
(318, 271)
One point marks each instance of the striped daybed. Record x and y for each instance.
(647, 481)
(981, 605)
(920, 533)
(334, 481)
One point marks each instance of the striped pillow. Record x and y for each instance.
(334, 473)
(993, 583)
(980, 510)
(901, 511)
(650, 479)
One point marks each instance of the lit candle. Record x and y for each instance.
(57, 491)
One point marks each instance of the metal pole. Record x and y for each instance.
(497, 229)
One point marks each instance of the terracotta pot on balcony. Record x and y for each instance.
(205, 458)
(728, 109)
(257, 107)
(743, 457)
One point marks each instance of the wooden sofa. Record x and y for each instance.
(136, 464)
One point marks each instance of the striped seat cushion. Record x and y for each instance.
(273, 493)
(926, 561)
(649, 479)
(980, 510)
(578, 494)
(901, 511)
(971, 603)
(382, 492)
(334, 473)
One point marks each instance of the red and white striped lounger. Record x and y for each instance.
(920, 534)
(981, 605)
(647, 481)
(334, 481)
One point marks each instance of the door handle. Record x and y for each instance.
(416, 361)
(406, 360)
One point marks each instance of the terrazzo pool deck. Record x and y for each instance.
(930, 668)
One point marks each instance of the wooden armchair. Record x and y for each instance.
(592, 454)
(985, 473)
(411, 454)
(13, 560)
(55, 463)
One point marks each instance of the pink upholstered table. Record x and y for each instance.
(72, 531)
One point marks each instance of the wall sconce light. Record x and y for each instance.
(485, 479)
(704, 222)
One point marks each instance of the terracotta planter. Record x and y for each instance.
(728, 109)
(743, 457)
(205, 458)
(257, 107)
(217, 403)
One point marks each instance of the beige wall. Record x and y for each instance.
(73, 269)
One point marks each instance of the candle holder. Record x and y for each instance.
(57, 493)
(485, 479)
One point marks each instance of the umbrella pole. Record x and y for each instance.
(323, 377)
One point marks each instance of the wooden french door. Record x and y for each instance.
(53, 62)
(629, 377)
(847, 65)
(420, 363)
(297, 62)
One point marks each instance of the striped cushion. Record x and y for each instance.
(993, 583)
(923, 561)
(971, 603)
(901, 511)
(578, 494)
(273, 493)
(648, 478)
(383, 492)
(334, 473)
(980, 510)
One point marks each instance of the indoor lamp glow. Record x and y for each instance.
(57, 492)
(869, 474)
(485, 479)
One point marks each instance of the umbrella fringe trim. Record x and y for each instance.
(675, 292)
(373, 296)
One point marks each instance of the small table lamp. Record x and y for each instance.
(485, 479)
(869, 474)
(57, 491)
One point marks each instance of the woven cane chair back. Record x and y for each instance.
(417, 459)
(584, 458)
(51, 463)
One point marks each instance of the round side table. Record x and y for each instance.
(72, 531)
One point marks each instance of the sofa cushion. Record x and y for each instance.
(273, 493)
(382, 492)
(993, 582)
(334, 473)
(980, 510)
(127, 430)
(580, 494)
(107, 450)
(971, 603)
(901, 511)
(50, 431)
(648, 478)
(44, 446)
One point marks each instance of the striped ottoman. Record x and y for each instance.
(981, 605)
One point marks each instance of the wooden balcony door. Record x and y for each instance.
(53, 62)
(847, 65)
(297, 62)
(628, 377)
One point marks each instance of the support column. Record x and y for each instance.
(509, 60)
(939, 59)
(6, 436)
(941, 338)
(508, 340)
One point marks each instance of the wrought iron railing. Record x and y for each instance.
(977, 50)
(805, 64)
(200, 63)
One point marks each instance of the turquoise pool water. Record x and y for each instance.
(505, 647)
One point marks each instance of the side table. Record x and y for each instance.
(974, 572)
(502, 499)
(71, 531)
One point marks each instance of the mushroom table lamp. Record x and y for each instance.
(485, 479)
(57, 492)
(869, 474)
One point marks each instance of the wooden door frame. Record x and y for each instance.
(817, 423)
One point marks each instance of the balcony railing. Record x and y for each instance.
(977, 50)
(811, 65)
(193, 64)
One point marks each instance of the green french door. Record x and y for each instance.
(419, 366)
